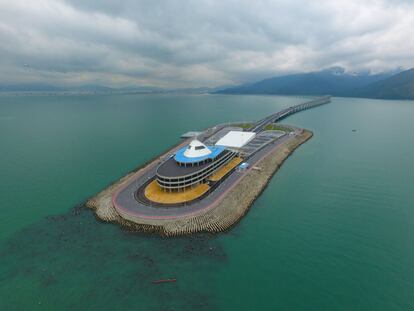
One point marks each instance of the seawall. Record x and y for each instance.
(225, 213)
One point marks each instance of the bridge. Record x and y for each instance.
(129, 200)
(259, 125)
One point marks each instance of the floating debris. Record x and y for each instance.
(164, 281)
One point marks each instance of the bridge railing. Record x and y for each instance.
(289, 111)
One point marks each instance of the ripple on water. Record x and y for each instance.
(74, 261)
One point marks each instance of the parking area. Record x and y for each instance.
(261, 140)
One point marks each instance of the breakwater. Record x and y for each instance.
(221, 207)
(225, 213)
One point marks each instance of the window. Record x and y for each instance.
(199, 147)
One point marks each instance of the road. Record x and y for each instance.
(124, 199)
(260, 125)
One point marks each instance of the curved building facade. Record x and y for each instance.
(192, 165)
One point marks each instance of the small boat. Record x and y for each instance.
(164, 281)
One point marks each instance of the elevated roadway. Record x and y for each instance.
(260, 125)
(128, 205)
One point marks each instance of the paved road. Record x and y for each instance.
(125, 202)
(124, 199)
(260, 125)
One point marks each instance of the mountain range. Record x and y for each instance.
(398, 86)
(87, 88)
(336, 82)
(42, 88)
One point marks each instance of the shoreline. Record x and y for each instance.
(225, 213)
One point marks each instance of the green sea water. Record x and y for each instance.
(333, 230)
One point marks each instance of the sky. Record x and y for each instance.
(180, 43)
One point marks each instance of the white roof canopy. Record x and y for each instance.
(235, 139)
(196, 149)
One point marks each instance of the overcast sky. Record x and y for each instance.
(198, 43)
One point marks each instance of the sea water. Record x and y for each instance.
(332, 231)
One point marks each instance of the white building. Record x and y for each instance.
(236, 139)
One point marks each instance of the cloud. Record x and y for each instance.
(183, 43)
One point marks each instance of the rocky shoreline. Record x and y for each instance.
(225, 214)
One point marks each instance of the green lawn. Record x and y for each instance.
(244, 125)
(276, 127)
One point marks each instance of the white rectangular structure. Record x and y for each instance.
(236, 139)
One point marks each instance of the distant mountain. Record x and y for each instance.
(87, 88)
(334, 81)
(196, 90)
(37, 88)
(399, 86)
(32, 87)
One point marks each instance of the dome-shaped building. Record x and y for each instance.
(192, 165)
(196, 149)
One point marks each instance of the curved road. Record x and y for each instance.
(126, 204)
(124, 199)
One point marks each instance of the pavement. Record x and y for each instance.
(125, 202)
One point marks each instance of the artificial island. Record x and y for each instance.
(208, 181)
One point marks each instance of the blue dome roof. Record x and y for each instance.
(182, 158)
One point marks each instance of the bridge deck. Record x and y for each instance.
(289, 111)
